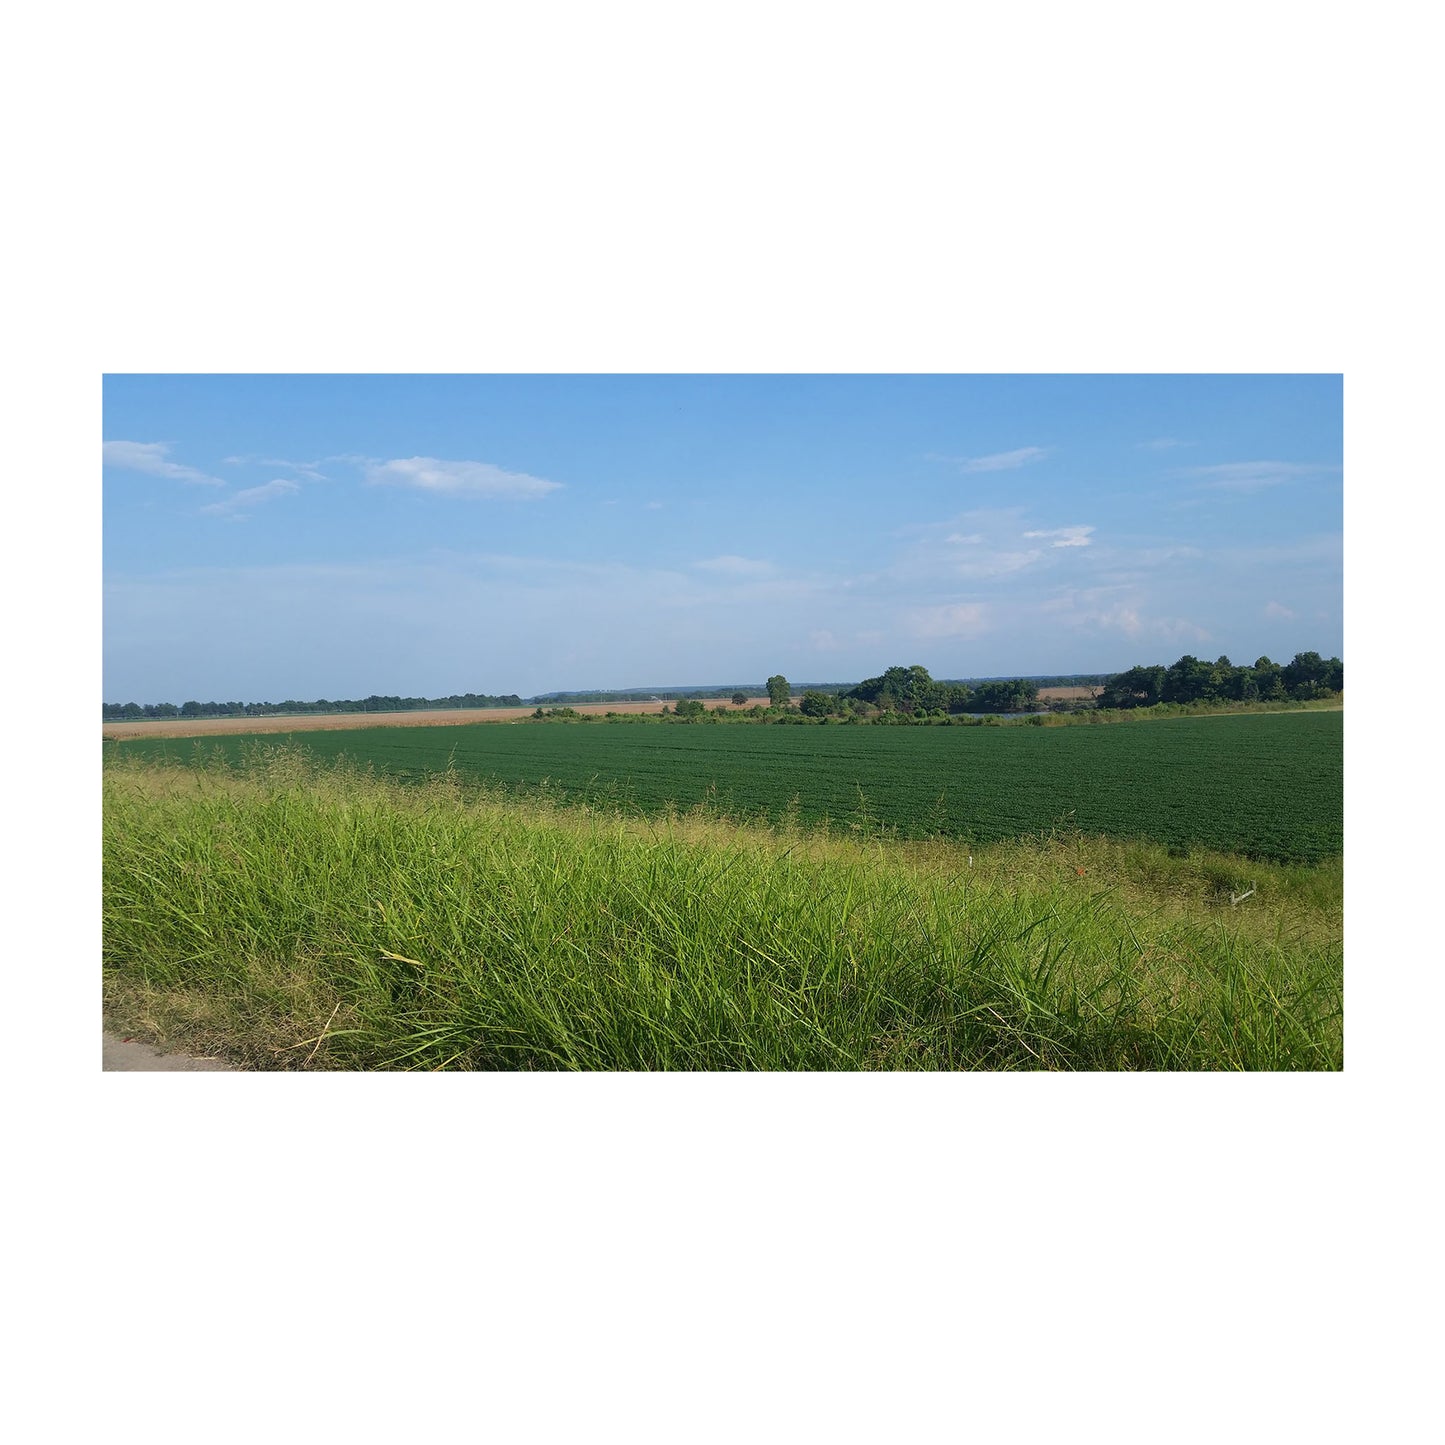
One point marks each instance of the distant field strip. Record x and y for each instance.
(181, 727)
(1269, 786)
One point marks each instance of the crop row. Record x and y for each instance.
(1270, 786)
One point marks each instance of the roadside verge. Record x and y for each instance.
(123, 1055)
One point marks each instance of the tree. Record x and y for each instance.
(1304, 675)
(1269, 679)
(689, 707)
(1188, 680)
(902, 689)
(1005, 696)
(1243, 685)
(1222, 677)
(1139, 687)
(740, 699)
(816, 704)
(779, 690)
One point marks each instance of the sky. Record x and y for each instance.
(273, 537)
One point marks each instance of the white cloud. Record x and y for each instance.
(958, 619)
(1161, 444)
(981, 545)
(150, 458)
(824, 640)
(310, 470)
(458, 479)
(1067, 536)
(231, 505)
(733, 566)
(1278, 609)
(996, 461)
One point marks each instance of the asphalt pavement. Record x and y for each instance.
(121, 1055)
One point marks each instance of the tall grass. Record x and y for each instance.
(292, 917)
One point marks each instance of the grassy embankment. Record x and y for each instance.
(292, 916)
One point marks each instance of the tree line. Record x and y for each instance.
(130, 711)
(902, 692)
(897, 692)
(1306, 676)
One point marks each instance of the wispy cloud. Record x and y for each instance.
(1251, 476)
(995, 461)
(310, 470)
(232, 505)
(1121, 618)
(1127, 610)
(1327, 547)
(1161, 444)
(458, 479)
(958, 619)
(986, 544)
(1097, 608)
(982, 566)
(733, 566)
(1149, 557)
(1278, 609)
(151, 458)
(1181, 630)
(1065, 536)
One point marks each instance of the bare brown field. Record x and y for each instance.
(173, 727)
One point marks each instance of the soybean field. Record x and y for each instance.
(1268, 786)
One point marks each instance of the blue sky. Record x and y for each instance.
(333, 536)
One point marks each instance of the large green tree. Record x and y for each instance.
(779, 690)
(1139, 687)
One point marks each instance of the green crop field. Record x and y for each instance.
(1260, 785)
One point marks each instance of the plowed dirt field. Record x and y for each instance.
(180, 727)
